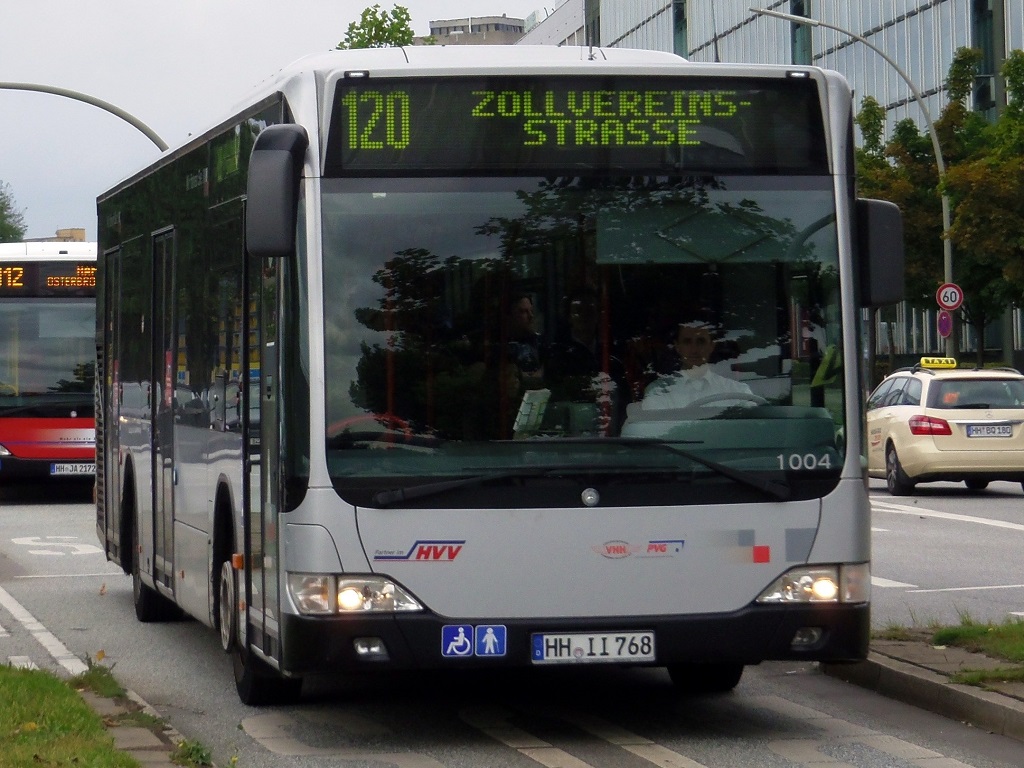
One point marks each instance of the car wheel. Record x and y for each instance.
(895, 478)
(976, 485)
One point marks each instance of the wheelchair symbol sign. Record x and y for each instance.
(457, 640)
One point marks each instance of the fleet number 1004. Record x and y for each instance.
(804, 461)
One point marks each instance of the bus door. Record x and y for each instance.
(164, 376)
(262, 462)
(108, 415)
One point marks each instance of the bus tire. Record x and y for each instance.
(699, 679)
(258, 684)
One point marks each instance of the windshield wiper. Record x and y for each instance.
(744, 477)
(395, 495)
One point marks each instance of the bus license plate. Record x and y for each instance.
(989, 430)
(72, 468)
(592, 647)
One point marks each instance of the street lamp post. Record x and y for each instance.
(947, 244)
(105, 105)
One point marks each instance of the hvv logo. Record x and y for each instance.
(442, 551)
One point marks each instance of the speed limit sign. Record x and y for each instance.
(949, 296)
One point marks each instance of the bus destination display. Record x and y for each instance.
(560, 125)
(47, 278)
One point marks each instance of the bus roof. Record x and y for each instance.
(470, 57)
(47, 251)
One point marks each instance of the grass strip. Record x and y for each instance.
(45, 722)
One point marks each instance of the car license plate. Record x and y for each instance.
(592, 647)
(989, 430)
(72, 468)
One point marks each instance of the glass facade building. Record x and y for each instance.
(921, 35)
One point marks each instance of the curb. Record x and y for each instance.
(149, 746)
(928, 690)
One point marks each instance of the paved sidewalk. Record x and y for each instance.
(916, 672)
(151, 747)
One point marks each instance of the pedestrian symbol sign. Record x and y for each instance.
(490, 640)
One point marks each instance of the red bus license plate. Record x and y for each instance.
(72, 468)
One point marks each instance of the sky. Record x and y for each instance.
(177, 66)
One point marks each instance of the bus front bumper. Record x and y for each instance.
(829, 633)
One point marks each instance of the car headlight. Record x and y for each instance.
(325, 594)
(846, 583)
(4, 451)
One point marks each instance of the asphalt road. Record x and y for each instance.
(61, 603)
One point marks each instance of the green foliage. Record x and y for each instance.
(191, 754)
(12, 221)
(379, 29)
(98, 679)
(1000, 641)
(984, 183)
(44, 722)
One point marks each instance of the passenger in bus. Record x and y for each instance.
(583, 368)
(696, 379)
(524, 343)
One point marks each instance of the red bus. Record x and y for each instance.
(47, 360)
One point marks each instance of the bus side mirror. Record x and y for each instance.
(273, 190)
(880, 252)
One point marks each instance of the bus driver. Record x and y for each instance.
(695, 380)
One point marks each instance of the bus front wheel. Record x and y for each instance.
(696, 679)
(255, 681)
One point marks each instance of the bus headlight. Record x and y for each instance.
(847, 583)
(320, 594)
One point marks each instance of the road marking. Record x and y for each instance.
(493, 721)
(971, 589)
(637, 745)
(21, 662)
(53, 646)
(116, 572)
(817, 737)
(272, 732)
(878, 581)
(900, 509)
(56, 545)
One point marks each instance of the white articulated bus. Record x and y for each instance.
(392, 361)
(47, 361)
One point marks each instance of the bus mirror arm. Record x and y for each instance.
(273, 190)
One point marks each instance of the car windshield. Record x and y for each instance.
(473, 326)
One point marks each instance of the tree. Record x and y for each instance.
(989, 189)
(379, 29)
(12, 221)
(909, 177)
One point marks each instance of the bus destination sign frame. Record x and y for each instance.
(520, 125)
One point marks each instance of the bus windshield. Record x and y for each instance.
(47, 356)
(575, 326)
